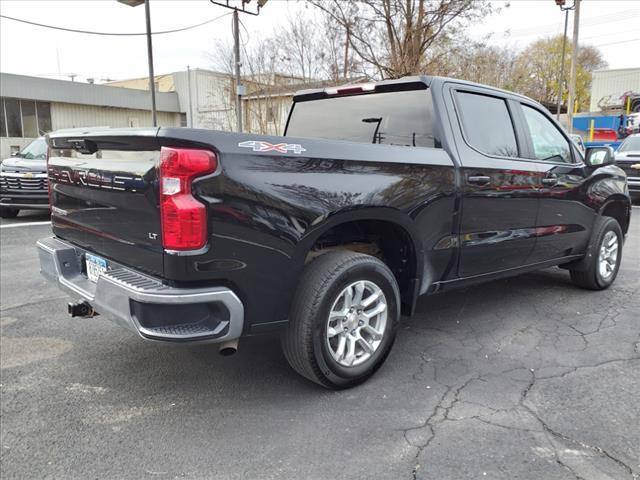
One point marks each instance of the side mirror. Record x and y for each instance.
(598, 156)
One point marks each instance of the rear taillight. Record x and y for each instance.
(184, 219)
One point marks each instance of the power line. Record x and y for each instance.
(554, 27)
(112, 34)
(616, 43)
(635, 30)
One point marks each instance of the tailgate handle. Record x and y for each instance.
(479, 179)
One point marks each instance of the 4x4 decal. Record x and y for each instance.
(260, 146)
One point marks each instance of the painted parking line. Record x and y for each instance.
(26, 224)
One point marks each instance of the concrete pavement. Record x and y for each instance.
(525, 378)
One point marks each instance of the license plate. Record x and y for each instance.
(95, 266)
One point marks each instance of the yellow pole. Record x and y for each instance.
(628, 104)
(591, 127)
(575, 107)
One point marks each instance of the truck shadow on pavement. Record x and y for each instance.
(470, 321)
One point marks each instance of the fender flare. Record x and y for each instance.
(384, 214)
(618, 198)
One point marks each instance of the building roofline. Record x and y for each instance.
(616, 69)
(64, 91)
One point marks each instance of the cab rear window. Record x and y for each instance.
(392, 118)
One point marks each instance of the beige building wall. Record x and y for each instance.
(267, 115)
(164, 83)
(69, 115)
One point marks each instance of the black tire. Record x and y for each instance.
(588, 274)
(9, 212)
(323, 280)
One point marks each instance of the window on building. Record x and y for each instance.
(44, 117)
(24, 118)
(271, 117)
(13, 117)
(29, 120)
(183, 119)
(3, 123)
(487, 124)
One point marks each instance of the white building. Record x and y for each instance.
(33, 106)
(607, 86)
(205, 97)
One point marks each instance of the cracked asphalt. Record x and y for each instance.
(525, 378)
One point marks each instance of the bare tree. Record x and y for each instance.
(302, 51)
(475, 61)
(394, 37)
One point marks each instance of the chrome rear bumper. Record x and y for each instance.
(142, 303)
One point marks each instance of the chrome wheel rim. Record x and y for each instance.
(356, 323)
(608, 256)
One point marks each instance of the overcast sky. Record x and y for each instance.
(610, 25)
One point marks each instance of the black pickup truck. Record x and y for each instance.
(377, 193)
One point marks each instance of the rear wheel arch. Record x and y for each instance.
(388, 236)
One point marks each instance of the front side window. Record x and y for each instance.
(487, 124)
(549, 144)
(393, 118)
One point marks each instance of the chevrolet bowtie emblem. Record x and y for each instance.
(636, 166)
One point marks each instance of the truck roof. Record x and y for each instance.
(404, 83)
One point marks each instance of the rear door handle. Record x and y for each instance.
(550, 181)
(478, 179)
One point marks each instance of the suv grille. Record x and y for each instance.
(14, 182)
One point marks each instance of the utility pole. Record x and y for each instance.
(346, 51)
(190, 100)
(240, 89)
(152, 83)
(236, 51)
(574, 64)
(561, 4)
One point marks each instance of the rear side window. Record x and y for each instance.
(487, 124)
(393, 118)
(549, 144)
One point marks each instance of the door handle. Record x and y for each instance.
(478, 179)
(550, 181)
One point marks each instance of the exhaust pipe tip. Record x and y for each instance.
(81, 309)
(228, 348)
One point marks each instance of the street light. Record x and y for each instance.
(561, 4)
(152, 88)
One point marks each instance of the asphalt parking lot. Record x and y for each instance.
(526, 378)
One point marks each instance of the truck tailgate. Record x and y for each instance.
(104, 195)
